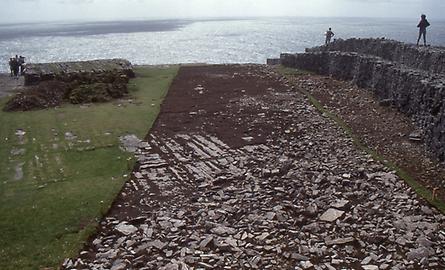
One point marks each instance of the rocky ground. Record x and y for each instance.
(380, 126)
(240, 171)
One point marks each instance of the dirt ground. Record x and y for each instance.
(240, 171)
(381, 128)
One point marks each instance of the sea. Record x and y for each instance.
(216, 40)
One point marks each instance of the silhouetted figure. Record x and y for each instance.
(329, 34)
(15, 66)
(423, 24)
(21, 64)
(11, 66)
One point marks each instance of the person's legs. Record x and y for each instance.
(418, 39)
(424, 38)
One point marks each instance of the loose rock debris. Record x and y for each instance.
(384, 129)
(129, 143)
(298, 195)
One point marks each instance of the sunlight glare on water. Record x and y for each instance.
(205, 41)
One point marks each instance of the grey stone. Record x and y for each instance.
(370, 267)
(426, 210)
(158, 244)
(366, 260)
(299, 257)
(424, 242)
(110, 254)
(130, 143)
(126, 229)
(223, 230)
(418, 254)
(119, 266)
(331, 215)
(306, 264)
(205, 265)
(340, 204)
(339, 241)
(416, 136)
(206, 241)
(171, 266)
(263, 236)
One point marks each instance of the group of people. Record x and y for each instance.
(17, 66)
(423, 25)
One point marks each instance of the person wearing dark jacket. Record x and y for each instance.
(11, 66)
(423, 24)
(22, 65)
(329, 34)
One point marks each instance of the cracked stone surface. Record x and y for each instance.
(204, 197)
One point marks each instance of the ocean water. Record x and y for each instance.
(250, 40)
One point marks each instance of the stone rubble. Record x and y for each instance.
(305, 198)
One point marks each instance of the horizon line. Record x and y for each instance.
(200, 18)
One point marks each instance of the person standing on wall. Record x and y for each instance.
(329, 34)
(423, 24)
(11, 66)
(22, 64)
(15, 67)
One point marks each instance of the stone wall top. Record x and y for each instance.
(431, 59)
(64, 70)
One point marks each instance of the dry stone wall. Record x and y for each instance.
(430, 59)
(95, 71)
(51, 84)
(417, 92)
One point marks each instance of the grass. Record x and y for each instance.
(67, 184)
(421, 190)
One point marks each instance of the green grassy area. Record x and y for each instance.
(418, 187)
(67, 184)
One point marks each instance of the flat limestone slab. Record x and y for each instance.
(331, 215)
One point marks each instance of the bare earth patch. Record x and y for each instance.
(240, 171)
